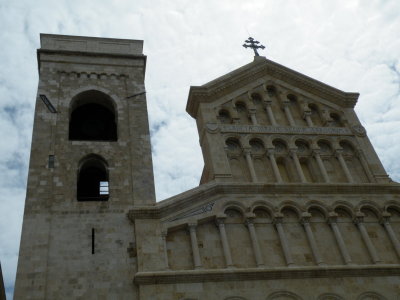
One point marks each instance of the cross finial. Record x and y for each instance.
(254, 45)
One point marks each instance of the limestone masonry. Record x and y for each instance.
(293, 202)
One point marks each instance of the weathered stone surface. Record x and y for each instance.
(293, 202)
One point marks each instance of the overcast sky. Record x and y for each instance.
(351, 45)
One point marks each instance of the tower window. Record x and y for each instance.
(93, 184)
(92, 118)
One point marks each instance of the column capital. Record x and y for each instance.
(305, 218)
(332, 217)
(267, 102)
(359, 218)
(271, 151)
(220, 219)
(338, 152)
(277, 219)
(247, 150)
(192, 225)
(385, 217)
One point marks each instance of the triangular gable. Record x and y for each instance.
(260, 67)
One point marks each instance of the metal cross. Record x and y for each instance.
(254, 45)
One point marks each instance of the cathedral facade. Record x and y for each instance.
(293, 202)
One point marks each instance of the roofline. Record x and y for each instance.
(262, 66)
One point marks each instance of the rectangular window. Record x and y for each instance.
(51, 161)
(104, 188)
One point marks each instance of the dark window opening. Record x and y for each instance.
(51, 161)
(93, 182)
(92, 122)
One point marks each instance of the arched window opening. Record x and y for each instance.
(256, 98)
(224, 116)
(257, 146)
(292, 98)
(93, 184)
(347, 148)
(336, 120)
(92, 118)
(271, 91)
(233, 145)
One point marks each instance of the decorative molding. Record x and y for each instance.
(204, 193)
(197, 211)
(91, 75)
(218, 275)
(359, 130)
(236, 128)
(253, 72)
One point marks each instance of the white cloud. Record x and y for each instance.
(352, 45)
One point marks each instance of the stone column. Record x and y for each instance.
(275, 168)
(321, 166)
(283, 240)
(299, 170)
(164, 239)
(252, 113)
(195, 246)
(360, 155)
(270, 113)
(307, 117)
(305, 221)
(224, 240)
(392, 235)
(359, 221)
(344, 166)
(288, 113)
(250, 165)
(339, 239)
(254, 242)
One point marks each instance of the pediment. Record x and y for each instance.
(255, 74)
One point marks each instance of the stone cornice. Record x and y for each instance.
(257, 69)
(218, 275)
(212, 189)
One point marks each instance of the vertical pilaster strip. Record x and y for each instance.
(283, 240)
(392, 235)
(252, 113)
(224, 240)
(305, 221)
(321, 166)
(359, 221)
(339, 239)
(195, 246)
(275, 168)
(307, 117)
(270, 113)
(164, 239)
(299, 170)
(250, 165)
(365, 165)
(288, 113)
(254, 241)
(344, 166)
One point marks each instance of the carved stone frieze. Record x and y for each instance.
(236, 128)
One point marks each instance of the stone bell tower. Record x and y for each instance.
(90, 164)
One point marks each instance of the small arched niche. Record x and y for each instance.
(93, 183)
(92, 117)
(224, 116)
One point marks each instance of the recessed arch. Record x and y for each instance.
(92, 117)
(93, 179)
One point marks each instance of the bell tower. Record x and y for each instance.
(90, 164)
